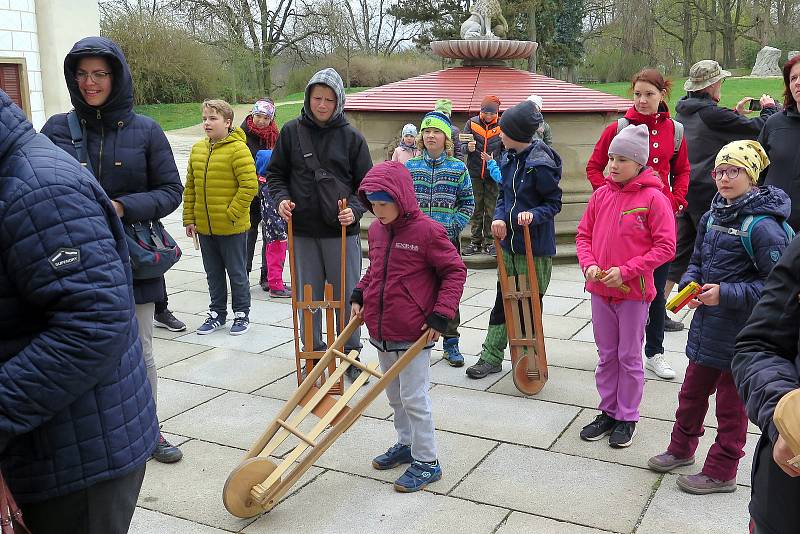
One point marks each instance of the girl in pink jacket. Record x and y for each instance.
(626, 232)
(413, 283)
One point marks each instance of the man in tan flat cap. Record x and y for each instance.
(707, 128)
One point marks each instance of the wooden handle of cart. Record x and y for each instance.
(342, 296)
(346, 422)
(533, 280)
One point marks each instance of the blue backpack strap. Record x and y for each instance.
(749, 223)
(746, 230)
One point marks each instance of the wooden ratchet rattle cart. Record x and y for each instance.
(787, 420)
(258, 483)
(306, 360)
(523, 311)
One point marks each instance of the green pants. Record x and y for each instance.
(485, 192)
(497, 336)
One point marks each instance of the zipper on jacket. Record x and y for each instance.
(100, 158)
(205, 189)
(383, 283)
(433, 181)
(511, 211)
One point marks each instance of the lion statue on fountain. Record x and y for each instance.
(479, 24)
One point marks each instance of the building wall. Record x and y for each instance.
(61, 24)
(42, 32)
(18, 39)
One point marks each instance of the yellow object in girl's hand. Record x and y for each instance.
(684, 297)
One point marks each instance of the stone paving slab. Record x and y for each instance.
(150, 522)
(191, 320)
(258, 339)
(499, 417)
(443, 373)
(564, 386)
(367, 438)
(167, 352)
(567, 288)
(192, 488)
(336, 503)
(674, 512)
(652, 437)
(232, 419)
(230, 369)
(482, 279)
(184, 279)
(484, 299)
(571, 353)
(177, 397)
(285, 387)
(559, 327)
(520, 523)
(567, 488)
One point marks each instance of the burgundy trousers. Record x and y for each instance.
(728, 448)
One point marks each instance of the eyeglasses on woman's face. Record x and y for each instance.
(96, 76)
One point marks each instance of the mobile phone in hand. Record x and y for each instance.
(754, 105)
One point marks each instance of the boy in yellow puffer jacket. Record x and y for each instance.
(220, 184)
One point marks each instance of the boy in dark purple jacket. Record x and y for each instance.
(413, 283)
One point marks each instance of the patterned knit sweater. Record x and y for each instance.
(444, 190)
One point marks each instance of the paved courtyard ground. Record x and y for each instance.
(512, 464)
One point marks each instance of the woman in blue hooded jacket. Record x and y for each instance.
(131, 159)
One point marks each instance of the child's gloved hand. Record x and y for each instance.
(433, 335)
(499, 229)
(356, 310)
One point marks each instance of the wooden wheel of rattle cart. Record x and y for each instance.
(787, 420)
(236, 492)
(526, 379)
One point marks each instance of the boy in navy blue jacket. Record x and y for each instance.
(529, 196)
(738, 242)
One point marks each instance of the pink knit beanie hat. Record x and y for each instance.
(633, 142)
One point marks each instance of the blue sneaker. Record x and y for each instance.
(451, 352)
(241, 324)
(418, 476)
(214, 322)
(396, 455)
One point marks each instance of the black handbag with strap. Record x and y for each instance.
(329, 187)
(152, 250)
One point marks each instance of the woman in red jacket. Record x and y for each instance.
(670, 162)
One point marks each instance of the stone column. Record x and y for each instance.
(60, 25)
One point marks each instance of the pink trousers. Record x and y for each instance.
(619, 334)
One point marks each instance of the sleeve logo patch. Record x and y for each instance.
(65, 257)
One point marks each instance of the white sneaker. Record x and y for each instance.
(660, 367)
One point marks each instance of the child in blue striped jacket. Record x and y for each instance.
(444, 193)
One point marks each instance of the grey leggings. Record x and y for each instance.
(144, 315)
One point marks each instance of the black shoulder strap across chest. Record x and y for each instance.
(77, 134)
(307, 148)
